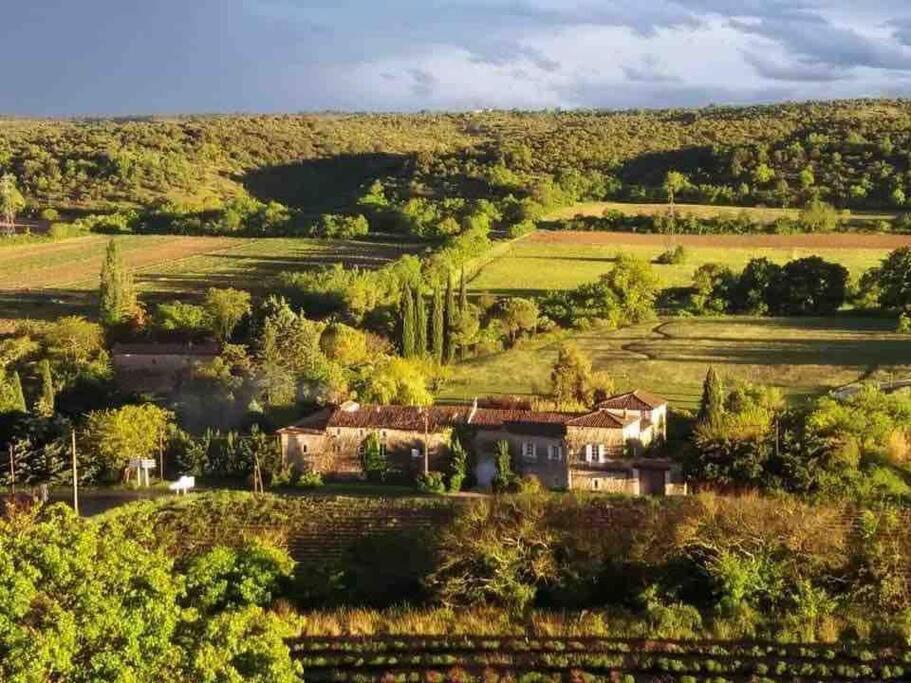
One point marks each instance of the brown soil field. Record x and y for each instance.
(841, 240)
(72, 261)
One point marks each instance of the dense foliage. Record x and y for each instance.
(435, 175)
(82, 603)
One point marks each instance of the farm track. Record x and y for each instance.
(839, 240)
(635, 348)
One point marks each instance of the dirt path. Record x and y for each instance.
(839, 240)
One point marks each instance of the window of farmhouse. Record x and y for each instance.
(529, 450)
(555, 452)
(595, 452)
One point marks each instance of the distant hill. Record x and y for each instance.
(854, 154)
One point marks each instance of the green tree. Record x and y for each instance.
(420, 323)
(115, 435)
(674, 182)
(438, 326)
(763, 174)
(499, 551)
(82, 602)
(463, 294)
(12, 399)
(119, 301)
(397, 381)
(458, 464)
(893, 280)
(571, 377)
(344, 344)
(373, 458)
(809, 286)
(449, 323)
(711, 407)
(225, 308)
(518, 315)
(11, 200)
(818, 216)
(177, 315)
(44, 407)
(408, 317)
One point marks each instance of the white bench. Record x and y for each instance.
(183, 484)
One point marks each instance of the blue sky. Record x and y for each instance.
(120, 57)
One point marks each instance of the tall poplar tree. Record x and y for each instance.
(45, 405)
(463, 295)
(437, 325)
(711, 407)
(117, 292)
(420, 323)
(17, 396)
(409, 339)
(449, 322)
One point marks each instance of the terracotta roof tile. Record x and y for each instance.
(408, 418)
(603, 419)
(633, 400)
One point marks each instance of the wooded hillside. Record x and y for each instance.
(851, 153)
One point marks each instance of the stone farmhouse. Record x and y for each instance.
(158, 367)
(605, 449)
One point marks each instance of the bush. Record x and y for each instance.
(432, 482)
(458, 464)
(672, 257)
(310, 480)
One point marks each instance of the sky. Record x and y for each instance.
(134, 57)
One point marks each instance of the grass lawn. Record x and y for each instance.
(549, 261)
(757, 213)
(51, 279)
(803, 356)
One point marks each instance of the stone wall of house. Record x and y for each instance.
(550, 472)
(613, 440)
(605, 481)
(160, 373)
(336, 455)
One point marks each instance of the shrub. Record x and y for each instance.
(310, 480)
(506, 480)
(672, 257)
(458, 464)
(432, 482)
(904, 324)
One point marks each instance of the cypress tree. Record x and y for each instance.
(711, 408)
(16, 394)
(409, 341)
(45, 404)
(463, 295)
(449, 322)
(420, 323)
(117, 292)
(438, 325)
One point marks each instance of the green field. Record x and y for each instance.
(801, 355)
(49, 279)
(760, 214)
(534, 266)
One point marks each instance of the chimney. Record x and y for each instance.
(474, 409)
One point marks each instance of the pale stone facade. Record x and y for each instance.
(603, 450)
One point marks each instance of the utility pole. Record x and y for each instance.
(12, 467)
(160, 455)
(75, 472)
(426, 450)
